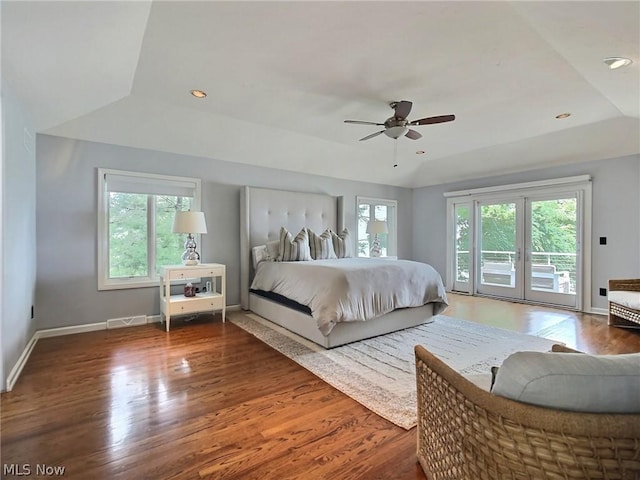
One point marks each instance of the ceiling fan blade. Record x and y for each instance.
(432, 120)
(413, 135)
(403, 109)
(359, 122)
(372, 135)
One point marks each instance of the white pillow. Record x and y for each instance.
(342, 244)
(572, 381)
(273, 250)
(321, 246)
(294, 249)
(259, 254)
(626, 299)
(265, 253)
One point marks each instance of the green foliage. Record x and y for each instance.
(128, 233)
(169, 245)
(498, 227)
(554, 225)
(553, 229)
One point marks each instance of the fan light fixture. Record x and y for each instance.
(617, 62)
(398, 125)
(198, 93)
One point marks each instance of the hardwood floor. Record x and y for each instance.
(208, 400)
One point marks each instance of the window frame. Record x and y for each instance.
(152, 278)
(392, 223)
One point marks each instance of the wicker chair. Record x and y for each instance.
(466, 433)
(621, 315)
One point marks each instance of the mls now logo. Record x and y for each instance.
(26, 469)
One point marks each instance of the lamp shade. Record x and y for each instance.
(377, 227)
(189, 222)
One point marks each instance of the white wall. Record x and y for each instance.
(18, 261)
(616, 203)
(66, 222)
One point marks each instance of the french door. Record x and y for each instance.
(499, 261)
(525, 247)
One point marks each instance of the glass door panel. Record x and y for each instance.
(462, 249)
(498, 261)
(552, 250)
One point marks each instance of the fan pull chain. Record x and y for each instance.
(395, 153)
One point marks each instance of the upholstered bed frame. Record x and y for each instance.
(262, 213)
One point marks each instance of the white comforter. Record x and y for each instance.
(352, 289)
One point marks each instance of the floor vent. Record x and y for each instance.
(126, 321)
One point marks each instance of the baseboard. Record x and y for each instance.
(60, 331)
(599, 311)
(22, 361)
(89, 327)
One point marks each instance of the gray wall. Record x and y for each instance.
(616, 207)
(66, 184)
(18, 230)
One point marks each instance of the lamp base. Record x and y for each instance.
(190, 256)
(375, 250)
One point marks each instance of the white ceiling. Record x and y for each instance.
(282, 77)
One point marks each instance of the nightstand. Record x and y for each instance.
(203, 301)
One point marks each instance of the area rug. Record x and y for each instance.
(379, 372)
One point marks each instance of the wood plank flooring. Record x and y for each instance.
(208, 400)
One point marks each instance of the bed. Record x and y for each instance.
(263, 213)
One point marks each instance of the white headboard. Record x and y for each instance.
(263, 211)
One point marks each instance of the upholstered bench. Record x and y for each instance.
(624, 303)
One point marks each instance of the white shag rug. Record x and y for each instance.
(379, 372)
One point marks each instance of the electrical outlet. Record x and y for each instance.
(603, 292)
(603, 240)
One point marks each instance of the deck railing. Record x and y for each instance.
(562, 261)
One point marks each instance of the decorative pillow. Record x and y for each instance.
(566, 381)
(273, 250)
(342, 243)
(259, 254)
(321, 246)
(294, 249)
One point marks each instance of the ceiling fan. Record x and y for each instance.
(398, 124)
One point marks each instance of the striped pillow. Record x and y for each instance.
(342, 243)
(294, 249)
(321, 246)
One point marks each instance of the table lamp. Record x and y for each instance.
(190, 223)
(376, 227)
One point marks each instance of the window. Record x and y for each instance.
(135, 216)
(382, 210)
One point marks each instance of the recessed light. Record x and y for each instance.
(420, 152)
(563, 115)
(617, 62)
(198, 93)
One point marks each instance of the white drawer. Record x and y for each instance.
(180, 304)
(197, 272)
